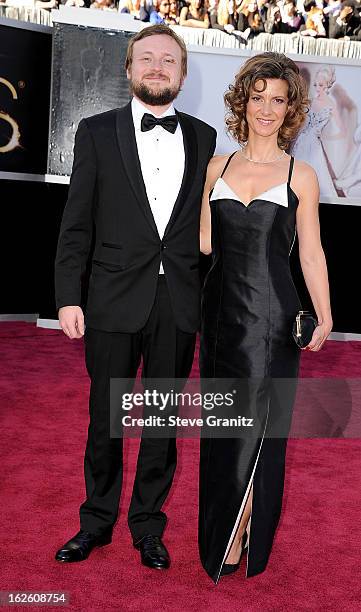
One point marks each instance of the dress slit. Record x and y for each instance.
(243, 505)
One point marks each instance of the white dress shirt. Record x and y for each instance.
(161, 156)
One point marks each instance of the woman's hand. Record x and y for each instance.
(319, 336)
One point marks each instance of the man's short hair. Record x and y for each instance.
(152, 31)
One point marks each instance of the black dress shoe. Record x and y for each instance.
(81, 545)
(153, 552)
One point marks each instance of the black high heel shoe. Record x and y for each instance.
(230, 568)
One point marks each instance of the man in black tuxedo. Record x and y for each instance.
(134, 196)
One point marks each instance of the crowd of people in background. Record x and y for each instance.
(241, 18)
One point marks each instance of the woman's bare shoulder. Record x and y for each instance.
(304, 179)
(303, 171)
(215, 166)
(217, 160)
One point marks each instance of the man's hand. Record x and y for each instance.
(346, 11)
(71, 321)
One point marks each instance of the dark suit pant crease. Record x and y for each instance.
(167, 352)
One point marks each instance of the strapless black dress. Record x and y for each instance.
(249, 303)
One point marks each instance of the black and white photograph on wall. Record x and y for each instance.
(330, 140)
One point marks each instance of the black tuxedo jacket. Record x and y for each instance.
(108, 217)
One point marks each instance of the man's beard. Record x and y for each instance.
(154, 98)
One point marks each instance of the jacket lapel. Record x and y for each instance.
(190, 165)
(129, 153)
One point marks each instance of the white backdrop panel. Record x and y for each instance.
(331, 138)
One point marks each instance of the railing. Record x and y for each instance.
(26, 13)
(284, 43)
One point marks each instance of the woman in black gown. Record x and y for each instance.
(253, 202)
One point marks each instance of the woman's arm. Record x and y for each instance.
(312, 257)
(213, 171)
(336, 120)
(192, 23)
(205, 22)
(183, 21)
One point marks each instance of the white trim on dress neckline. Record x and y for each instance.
(278, 193)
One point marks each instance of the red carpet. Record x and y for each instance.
(315, 560)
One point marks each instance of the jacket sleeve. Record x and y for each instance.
(334, 29)
(356, 35)
(213, 144)
(76, 228)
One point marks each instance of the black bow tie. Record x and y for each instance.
(168, 123)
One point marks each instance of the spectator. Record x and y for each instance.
(161, 12)
(339, 19)
(348, 24)
(212, 14)
(103, 5)
(249, 21)
(173, 15)
(333, 7)
(315, 20)
(300, 6)
(222, 15)
(263, 6)
(195, 15)
(290, 19)
(273, 23)
(138, 9)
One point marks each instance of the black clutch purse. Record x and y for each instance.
(303, 328)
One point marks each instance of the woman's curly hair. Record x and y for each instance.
(264, 66)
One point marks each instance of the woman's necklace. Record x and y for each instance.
(257, 161)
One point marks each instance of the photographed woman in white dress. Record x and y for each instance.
(326, 141)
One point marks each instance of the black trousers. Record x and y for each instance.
(167, 352)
